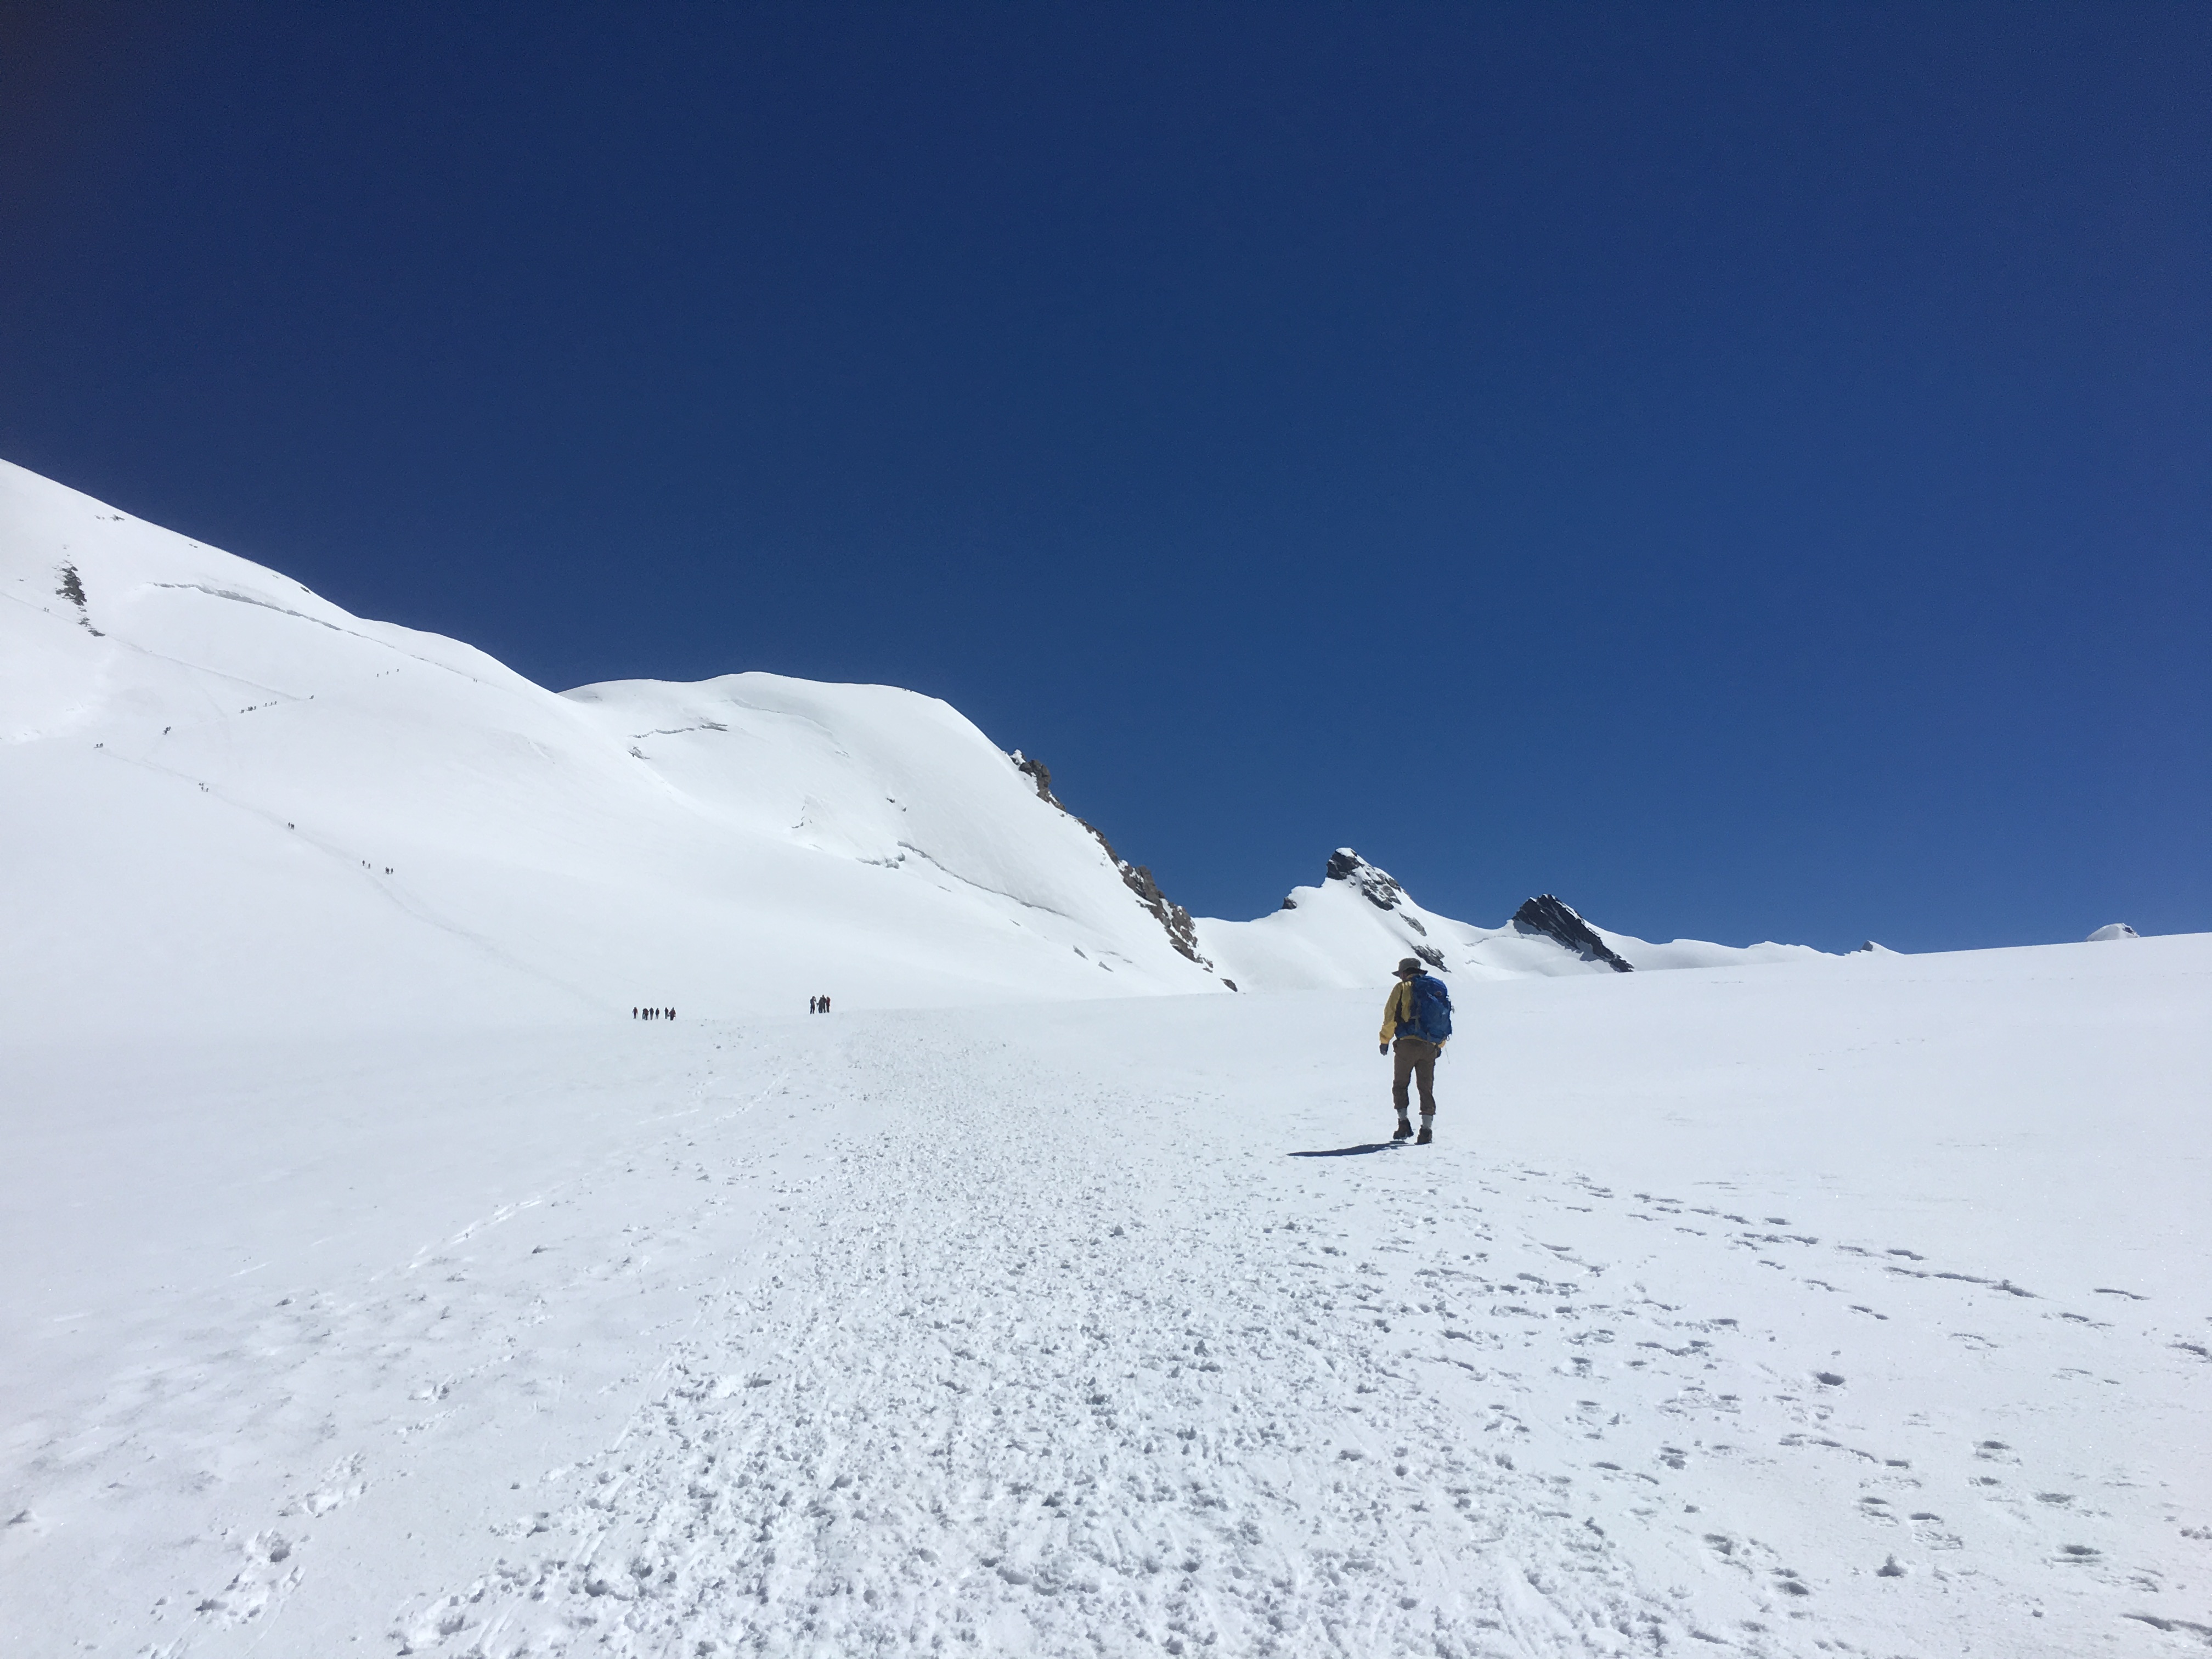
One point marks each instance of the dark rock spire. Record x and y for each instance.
(1557, 920)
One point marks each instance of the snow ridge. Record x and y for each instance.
(1360, 922)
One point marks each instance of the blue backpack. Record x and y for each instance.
(1432, 1008)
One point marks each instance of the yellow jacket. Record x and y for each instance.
(1400, 1006)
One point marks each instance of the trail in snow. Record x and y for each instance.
(1027, 1378)
(1767, 1315)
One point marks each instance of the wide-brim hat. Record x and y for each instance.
(1410, 965)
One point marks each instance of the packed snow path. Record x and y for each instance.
(1114, 1330)
(1033, 1372)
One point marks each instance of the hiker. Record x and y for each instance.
(825, 1005)
(814, 1005)
(1417, 1023)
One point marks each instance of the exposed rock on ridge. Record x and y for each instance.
(72, 589)
(1356, 922)
(1555, 920)
(1378, 887)
(1038, 773)
(1173, 919)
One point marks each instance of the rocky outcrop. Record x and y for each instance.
(1377, 886)
(1557, 921)
(1380, 889)
(1181, 932)
(1543, 915)
(1038, 773)
(1173, 919)
(72, 589)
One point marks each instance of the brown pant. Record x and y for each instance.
(1415, 1058)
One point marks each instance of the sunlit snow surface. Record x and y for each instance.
(376, 1285)
(1107, 1328)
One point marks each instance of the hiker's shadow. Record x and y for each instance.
(1364, 1148)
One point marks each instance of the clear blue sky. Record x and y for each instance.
(1745, 468)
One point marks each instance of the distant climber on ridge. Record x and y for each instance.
(1417, 1023)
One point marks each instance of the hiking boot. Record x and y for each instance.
(1403, 1129)
(1427, 1133)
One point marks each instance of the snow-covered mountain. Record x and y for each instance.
(1358, 923)
(229, 802)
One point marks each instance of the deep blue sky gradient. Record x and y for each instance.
(1745, 468)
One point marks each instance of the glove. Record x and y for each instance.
(1382, 1048)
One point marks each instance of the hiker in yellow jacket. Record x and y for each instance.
(1416, 1059)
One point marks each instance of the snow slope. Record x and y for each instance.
(225, 802)
(1853, 1306)
(1356, 926)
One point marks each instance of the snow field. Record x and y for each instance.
(1850, 1307)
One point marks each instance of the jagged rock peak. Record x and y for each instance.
(1558, 921)
(1181, 931)
(1377, 885)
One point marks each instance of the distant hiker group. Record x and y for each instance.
(652, 1013)
(1417, 1024)
(817, 1004)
